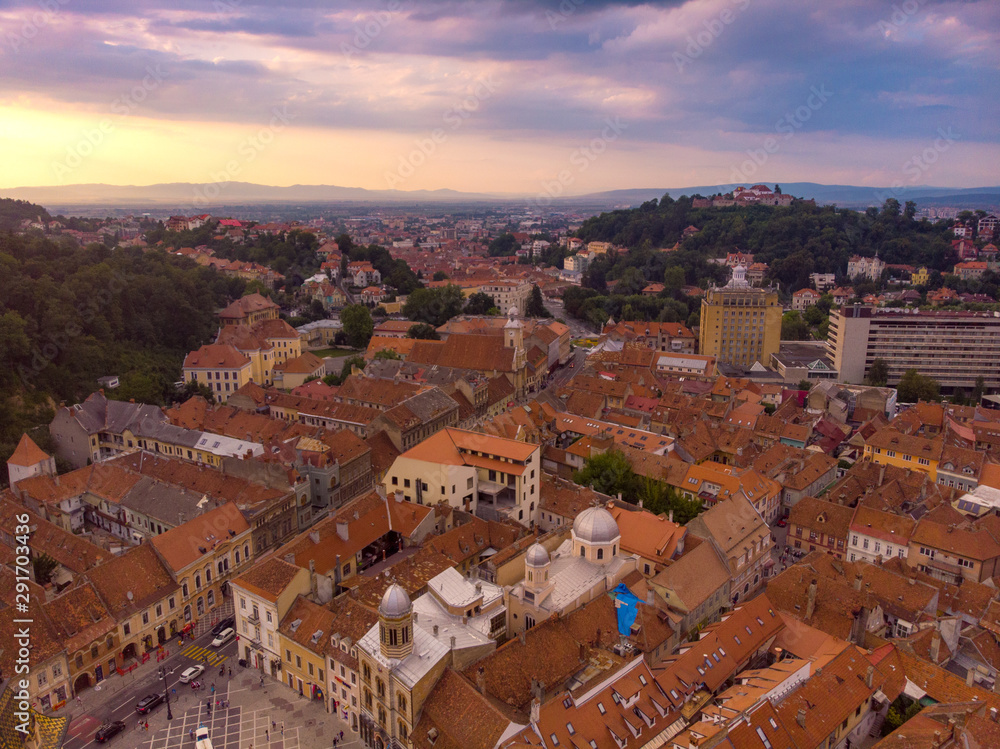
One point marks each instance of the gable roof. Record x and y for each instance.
(27, 453)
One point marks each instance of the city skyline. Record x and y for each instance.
(527, 97)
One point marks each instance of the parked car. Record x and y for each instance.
(782, 523)
(147, 703)
(223, 637)
(109, 731)
(190, 674)
(224, 624)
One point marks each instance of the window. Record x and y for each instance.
(288, 655)
(401, 701)
(127, 629)
(967, 563)
(268, 616)
(145, 617)
(243, 602)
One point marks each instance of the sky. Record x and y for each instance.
(533, 97)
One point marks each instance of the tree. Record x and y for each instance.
(793, 327)
(44, 566)
(440, 275)
(388, 353)
(914, 387)
(358, 325)
(423, 331)
(535, 306)
(479, 303)
(504, 245)
(673, 278)
(979, 391)
(878, 374)
(434, 306)
(813, 315)
(609, 473)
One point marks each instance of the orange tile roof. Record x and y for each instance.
(186, 544)
(268, 578)
(215, 356)
(453, 447)
(27, 453)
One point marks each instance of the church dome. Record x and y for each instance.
(537, 556)
(595, 525)
(395, 603)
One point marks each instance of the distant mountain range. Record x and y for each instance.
(190, 197)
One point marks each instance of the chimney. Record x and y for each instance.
(993, 714)
(313, 587)
(670, 516)
(481, 680)
(936, 741)
(936, 647)
(399, 496)
(801, 717)
(583, 652)
(453, 642)
(857, 581)
(970, 677)
(536, 707)
(811, 604)
(650, 596)
(869, 676)
(342, 529)
(435, 630)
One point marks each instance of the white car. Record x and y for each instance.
(224, 636)
(190, 674)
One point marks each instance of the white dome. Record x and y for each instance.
(537, 556)
(395, 603)
(596, 525)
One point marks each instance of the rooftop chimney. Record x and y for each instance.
(869, 676)
(800, 718)
(857, 581)
(811, 603)
(936, 647)
(481, 680)
(342, 529)
(970, 677)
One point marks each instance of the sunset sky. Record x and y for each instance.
(500, 96)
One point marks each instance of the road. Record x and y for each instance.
(121, 705)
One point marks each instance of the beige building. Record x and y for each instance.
(262, 596)
(28, 461)
(742, 539)
(221, 368)
(588, 564)
(491, 477)
(740, 324)
(507, 294)
(953, 347)
(202, 554)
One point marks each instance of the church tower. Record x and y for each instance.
(395, 623)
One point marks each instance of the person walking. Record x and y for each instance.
(230, 672)
(267, 735)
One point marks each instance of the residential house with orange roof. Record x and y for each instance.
(954, 553)
(876, 535)
(262, 595)
(202, 555)
(143, 599)
(655, 540)
(817, 524)
(82, 624)
(491, 477)
(220, 367)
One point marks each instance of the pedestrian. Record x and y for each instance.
(273, 725)
(282, 728)
(78, 700)
(145, 726)
(230, 672)
(267, 735)
(341, 735)
(262, 679)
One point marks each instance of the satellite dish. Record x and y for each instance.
(129, 595)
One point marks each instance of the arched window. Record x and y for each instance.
(600, 553)
(197, 582)
(380, 688)
(614, 549)
(583, 552)
(402, 730)
(529, 576)
(246, 551)
(401, 701)
(220, 567)
(184, 590)
(529, 622)
(381, 716)
(211, 598)
(208, 575)
(201, 606)
(237, 556)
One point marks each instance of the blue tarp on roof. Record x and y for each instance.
(628, 609)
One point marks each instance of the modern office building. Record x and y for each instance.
(954, 347)
(740, 324)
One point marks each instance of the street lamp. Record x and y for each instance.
(166, 691)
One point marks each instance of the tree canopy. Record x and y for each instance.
(358, 325)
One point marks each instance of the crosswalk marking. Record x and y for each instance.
(198, 653)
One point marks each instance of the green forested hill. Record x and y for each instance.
(794, 241)
(69, 315)
(13, 212)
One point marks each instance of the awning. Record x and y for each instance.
(768, 563)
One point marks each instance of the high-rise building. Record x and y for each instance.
(953, 347)
(740, 324)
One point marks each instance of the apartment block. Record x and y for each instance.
(953, 347)
(740, 323)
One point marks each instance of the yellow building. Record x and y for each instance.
(891, 448)
(222, 368)
(921, 277)
(740, 324)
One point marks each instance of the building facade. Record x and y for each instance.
(740, 324)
